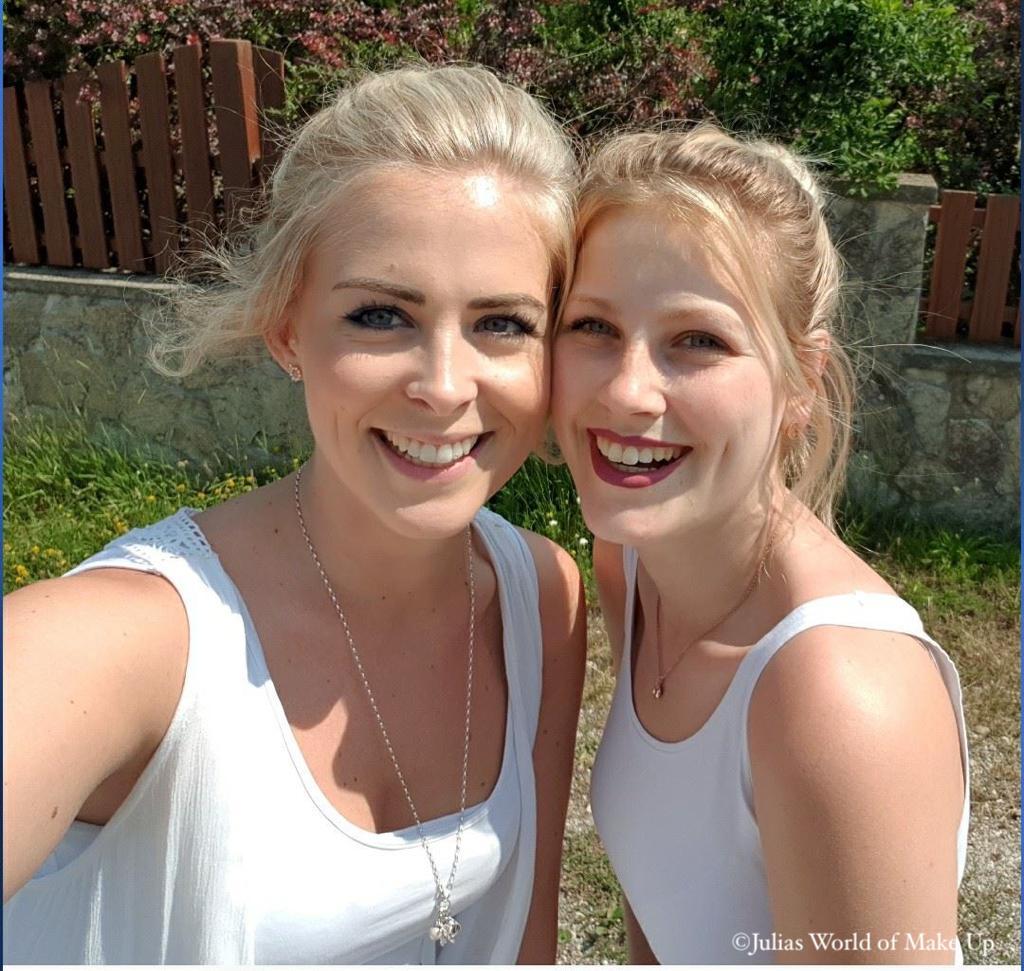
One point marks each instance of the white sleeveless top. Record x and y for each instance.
(677, 818)
(227, 852)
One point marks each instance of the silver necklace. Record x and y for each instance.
(445, 927)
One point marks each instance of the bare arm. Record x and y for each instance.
(564, 630)
(858, 789)
(93, 668)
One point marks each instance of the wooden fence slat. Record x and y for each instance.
(951, 244)
(17, 192)
(977, 220)
(155, 122)
(195, 141)
(50, 172)
(994, 261)
(120, 165)
(234, 98)
(85, 172)
(269, 68)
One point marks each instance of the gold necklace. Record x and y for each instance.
(663, 675)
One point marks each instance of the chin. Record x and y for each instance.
(433, 520)
(624, 526)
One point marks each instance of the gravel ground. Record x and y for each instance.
(987, 655)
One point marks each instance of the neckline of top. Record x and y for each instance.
(778, 634)
(434, 829)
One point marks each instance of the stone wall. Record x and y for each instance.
(937, 427)
(75, 347)
(939, 436)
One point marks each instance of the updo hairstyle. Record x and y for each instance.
(759, 210)
(450, 119)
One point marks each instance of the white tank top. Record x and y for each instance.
(226, 851)
(677, 818)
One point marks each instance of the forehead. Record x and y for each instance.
(651, 255)
(435, 230)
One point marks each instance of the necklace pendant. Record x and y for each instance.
(446, 928)
(659, 689)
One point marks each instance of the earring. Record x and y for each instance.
(549, 451)
(294, 372)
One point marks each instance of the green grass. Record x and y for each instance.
(66, 497)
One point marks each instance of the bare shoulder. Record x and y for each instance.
(562, 601)
(106, 629)
(842, 708)
(93, 669)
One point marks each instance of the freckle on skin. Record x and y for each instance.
(53, 815)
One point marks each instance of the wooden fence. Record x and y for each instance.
(990, 316)
(166, 151)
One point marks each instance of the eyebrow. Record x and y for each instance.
(381, 286)
(680, 311)
(417, 297)
(508, 300)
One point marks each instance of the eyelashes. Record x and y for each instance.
(694, 340)
(384, 318)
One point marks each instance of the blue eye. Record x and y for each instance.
(508, 326)
(591, 325)
(702, 342)
(377, 318)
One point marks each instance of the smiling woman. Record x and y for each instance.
(330, 721)
(785, 759)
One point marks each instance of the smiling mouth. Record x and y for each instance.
(428, 454)
(630, 458)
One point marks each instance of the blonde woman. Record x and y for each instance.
(331, 721)
(783, 775)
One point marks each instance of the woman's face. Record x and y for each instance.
(662, 401)
(420, 327)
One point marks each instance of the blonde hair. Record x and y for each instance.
(439, 119)
(763, 206)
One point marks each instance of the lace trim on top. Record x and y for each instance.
(175, 537)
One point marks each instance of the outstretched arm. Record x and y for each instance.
(93, 668)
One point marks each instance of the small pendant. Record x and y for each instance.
(659, 689)
(446, 928)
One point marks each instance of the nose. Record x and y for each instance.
(447, 372)
(637, 386)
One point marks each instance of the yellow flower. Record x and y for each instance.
(35, 550)
(150, 498)
(20, 571)
(230, 483)
(200, 495)
(181, 487)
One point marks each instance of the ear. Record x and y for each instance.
(816, 355)
(282, 345)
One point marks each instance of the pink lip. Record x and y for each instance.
(636, 440)
(607, 472)
(441, 475)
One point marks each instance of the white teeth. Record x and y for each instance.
(430, 454)
(630, 455)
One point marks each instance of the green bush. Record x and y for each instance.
(837, 79)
